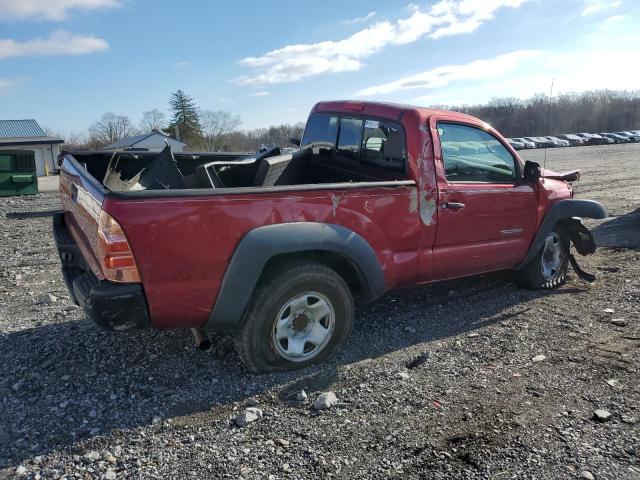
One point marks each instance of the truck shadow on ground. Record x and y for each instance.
(71, 381)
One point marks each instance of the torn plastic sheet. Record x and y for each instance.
(127, 172)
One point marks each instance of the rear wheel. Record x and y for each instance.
(301, 314)
(549, 268)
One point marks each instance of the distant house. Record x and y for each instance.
(150, 141)
(27, 135)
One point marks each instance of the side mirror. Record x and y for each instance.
(295, 141)
(532, 172)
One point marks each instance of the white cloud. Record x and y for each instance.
(353, 21)
(572, 71)
(617, 19)
(49, 9)
(180, 64)
(442, 76)
(595, 6)
(6, 85)
(293, 63)
(58, 43)
(260, 94)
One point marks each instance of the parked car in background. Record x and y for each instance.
(559, 142)
(637, 132)
(573, 139)
(516, 145)
(541, 142)
(617, 138)
(592, 138)
(630, 135)
(527, 143)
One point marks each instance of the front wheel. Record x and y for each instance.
(301, 314)
(549, 268)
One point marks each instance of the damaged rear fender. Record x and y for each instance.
(564, 214)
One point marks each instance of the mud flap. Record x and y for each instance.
(581, 238)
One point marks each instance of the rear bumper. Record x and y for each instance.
(113, 306)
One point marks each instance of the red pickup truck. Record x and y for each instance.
(276, 248)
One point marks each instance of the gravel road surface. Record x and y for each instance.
(472, 379)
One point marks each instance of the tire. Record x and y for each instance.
(281, 328)
(548, 269)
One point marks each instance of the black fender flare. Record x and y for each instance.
(258, 246)
(564, 209)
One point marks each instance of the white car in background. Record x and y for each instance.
(527, 143)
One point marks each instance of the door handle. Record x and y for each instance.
(453, 205)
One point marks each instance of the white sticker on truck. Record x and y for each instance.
(373, 124)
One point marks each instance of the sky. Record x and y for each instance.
(66, 62)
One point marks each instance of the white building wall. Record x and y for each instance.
(43, 156)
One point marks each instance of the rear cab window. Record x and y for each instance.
(364, 143)
(472, 155)
(321, 131)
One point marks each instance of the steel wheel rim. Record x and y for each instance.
(551, 261)
(303, 327)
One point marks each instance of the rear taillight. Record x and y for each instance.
(114, 253)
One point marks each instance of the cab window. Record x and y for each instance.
(369, 147)
(383, 145)
(349, 137)
(321, 131)
(472, 155)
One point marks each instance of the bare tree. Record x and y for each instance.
(216, 128)
(153, 120)
(595, 111)
(111, 128)
(76, 141)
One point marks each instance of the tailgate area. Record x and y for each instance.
(113, 306)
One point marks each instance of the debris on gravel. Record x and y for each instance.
(539, 358)
(249, 415)
(418, 361)
(325, 401)
(601, 415)
(618, 322)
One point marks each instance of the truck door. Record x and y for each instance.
(486, 214)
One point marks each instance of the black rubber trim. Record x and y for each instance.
(564, 209)
(118, 307)
(259, 245)
(113, 306)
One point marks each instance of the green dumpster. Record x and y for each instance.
(18, 173)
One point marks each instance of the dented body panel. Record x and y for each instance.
(421, 229)
(183, 246)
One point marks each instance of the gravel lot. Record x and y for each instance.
(506, 385)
